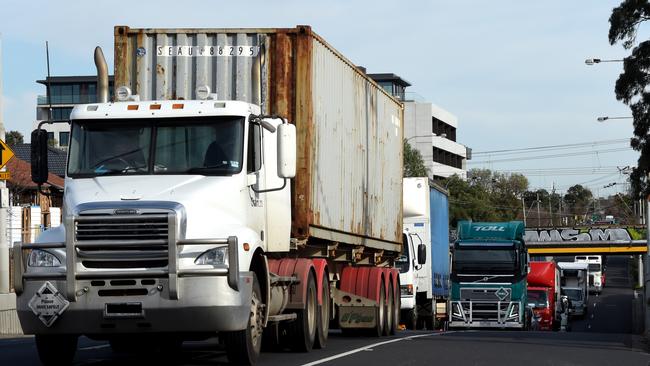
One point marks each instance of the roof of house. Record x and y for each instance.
(21, 175)
(56, 159)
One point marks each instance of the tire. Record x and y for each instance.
(56, 349)
(389, 323)
(243, 346)
(411, 319)
(396, 310)
(380, 313)
(303, 329)
(323, 314)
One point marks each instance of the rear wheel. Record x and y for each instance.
(56, 349)
(380, 312)
(389, 326)
(243, 346)
(323, 314)
(396, 309)
(303, 329)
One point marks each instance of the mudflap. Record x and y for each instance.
(354, 312)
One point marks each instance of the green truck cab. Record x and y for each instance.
(489, 276)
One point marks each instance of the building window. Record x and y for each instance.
(63, 138)
(50, 137)
(61, 113)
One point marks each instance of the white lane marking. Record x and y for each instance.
(94, 347)
(370, 346)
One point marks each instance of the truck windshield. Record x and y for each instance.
(484, 260)
(537, 299)
(403, 261)
(207, 146)
(594, 267)
(574, 294)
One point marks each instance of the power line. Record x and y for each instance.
(553, 147)
(539, 157)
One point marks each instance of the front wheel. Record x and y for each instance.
(411, 319)
(56, 349)
(243, 346)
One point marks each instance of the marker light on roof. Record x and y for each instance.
(123, 93)
(203, 92)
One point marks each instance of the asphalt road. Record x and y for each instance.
(601, 338)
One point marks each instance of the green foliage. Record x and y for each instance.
(632, 85)
(578, 198)
(13, 137)
(485, 196)
(413, 162)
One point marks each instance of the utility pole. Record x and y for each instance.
(538, 216)
(4, 245)
(523, 208)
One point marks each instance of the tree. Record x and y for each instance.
(413, 162)
(632, 85)
(486, 196)
(578, 199)
(14, 137)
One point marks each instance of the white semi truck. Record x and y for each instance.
(270, 207)
(574, 280)
(424, 263)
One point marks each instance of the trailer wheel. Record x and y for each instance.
(397, 308)
(56, 349)
(389, 325)
(303, 329)
(323, 314)
(243, 346)
(380, 312)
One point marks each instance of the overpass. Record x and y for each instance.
(604, 240)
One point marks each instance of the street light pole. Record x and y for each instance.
(592, 61)
(605, 118)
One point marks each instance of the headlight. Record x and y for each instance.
(406, 290)
(41, 258)
(214, 257)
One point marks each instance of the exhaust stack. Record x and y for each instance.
(102, 76)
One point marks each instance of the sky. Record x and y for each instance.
(513, 72)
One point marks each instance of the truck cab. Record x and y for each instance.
(145, 184)
(489, 271)
(574, 279)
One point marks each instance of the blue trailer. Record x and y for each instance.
(424, 262)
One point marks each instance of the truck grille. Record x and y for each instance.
(486, 294)
(122, 241)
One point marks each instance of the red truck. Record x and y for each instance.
(544, 294)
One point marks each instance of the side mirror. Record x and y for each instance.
(39, 156)
(286, 150)
(422, 254)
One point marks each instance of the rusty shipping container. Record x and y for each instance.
(348, 186)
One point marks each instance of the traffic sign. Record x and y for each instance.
(5, 175)
(5, 154)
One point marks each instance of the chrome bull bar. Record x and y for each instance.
(172, 272)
